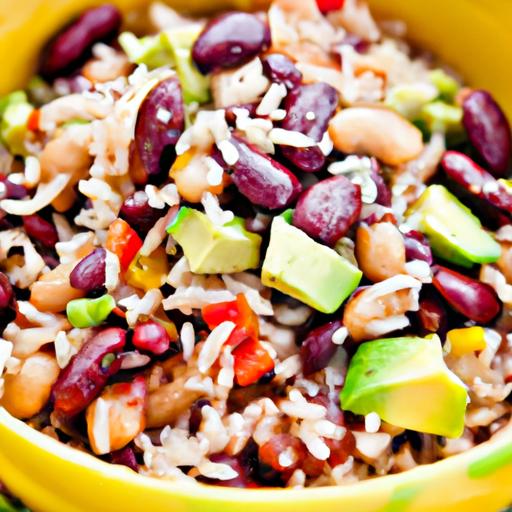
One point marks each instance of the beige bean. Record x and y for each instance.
(52, 291)
(27, 392)
(376, 131)
(380, 251)
(505, 261)
(169, 401)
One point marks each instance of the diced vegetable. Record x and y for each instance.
(252, 361)
(123, 241)
(147, 272)
(466, 340)
(90, 312)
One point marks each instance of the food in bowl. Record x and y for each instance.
(261, 250)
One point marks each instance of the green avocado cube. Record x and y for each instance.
(308, 271)
(447, 86)
(407, 383)
(152, 51)
(213, 249)
(454, 233)
(13, 127)
(196, 87)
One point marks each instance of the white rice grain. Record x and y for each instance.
(272, 99)
(339, 336)
(292, 138)
(372, 422)
(212, 346)
(187, 338)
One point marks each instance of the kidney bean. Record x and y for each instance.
(72, 45)
(230, 111)
(243, 480)
(151, 337)
(125, 457)
(41, 230)
(469, 175)
(383, 191)
(89, 273)
(473, 299)
(88, 371)
(138, 213)
(155, 138)
(331, 402)
(269, 452)
(488, 130)
(359, 44)
(230, 40)
(432, 315)
(280, 69)
(309, 108)
(327, 210)
(7, 298)
(318, 348)
(260, 178)
(196, 415)
(341, 449)
(417, 247)
(11, 190)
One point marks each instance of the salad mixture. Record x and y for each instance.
(266, 249)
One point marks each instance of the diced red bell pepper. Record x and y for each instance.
(252, 361)
(33, 120)
(237, 311)
(123, 241)
(326, 6)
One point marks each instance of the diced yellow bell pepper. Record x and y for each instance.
(148, 272)
(467, 340)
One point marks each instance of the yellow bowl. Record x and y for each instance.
(473, 36)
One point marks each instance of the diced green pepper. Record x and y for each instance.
(409, 99)
(153, 51)
(442, 117)
(90, 312)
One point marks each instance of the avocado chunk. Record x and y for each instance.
(152, 51)
(15, 111)
(447, 86)
(304, 269)
(212, 249)
(455, 234)
(439, 116)
(407, 383)
(196, 87)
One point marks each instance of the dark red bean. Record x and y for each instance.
(327, 210)
(89, 272)
(318, 101)
(417, 247)
(230, 111)
(242, 481)
(138, 213)
(154, 138)
(432, 315)
(10, 190)
(280, 69)
(469, 175)
(332, 403)
(7, 298)
(341, 449)
(270, 451)
(87, 373)
(72, 45)
(260, 178)
(229, 40)
(359, 44)
(473, 299)
(151, 337)
(318, 349)
(383, 191)
(125, 457)
(41, 230)
(488, 130)
(196, 415)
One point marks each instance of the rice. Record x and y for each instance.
(210, 351)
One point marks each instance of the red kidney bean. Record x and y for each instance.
(154, 138)
(432, 315)
(280, 69)
(41, 230)
(230, 111)
(270, 451)
(10, 190)
(260, 178)
(488, 130)
(359, 44)
(383, 191)
(151, 337)
(89, 272)
(417, 247)
(318, 101)
(229, 40)
(138, 213)
(196, 415)
(341, 449)
(332, 403)
(7, 298)
(327, 210)
(317, 349)
(88, 371)
(243, 480)
(473, 299)
(72, 45)
(469, 175)
(125, 457)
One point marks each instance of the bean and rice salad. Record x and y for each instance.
(267, 249)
